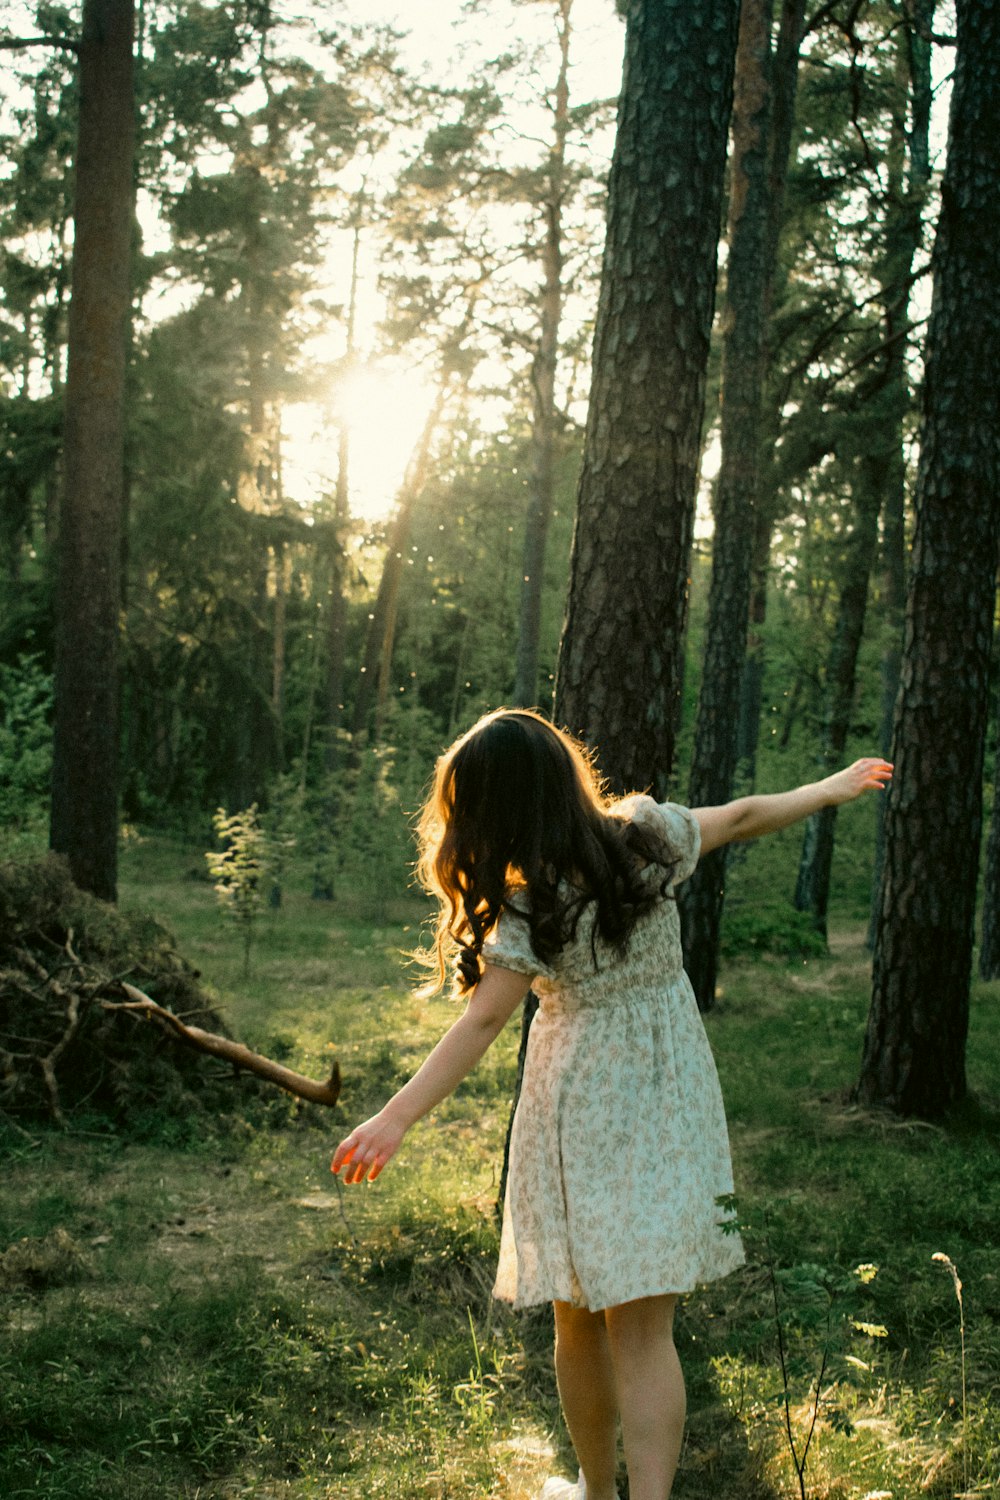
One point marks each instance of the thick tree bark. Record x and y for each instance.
(620, 662)
(543, 388)
(914, 1054)
(84, 823)
(748, 276)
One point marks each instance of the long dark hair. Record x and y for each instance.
(518, 807)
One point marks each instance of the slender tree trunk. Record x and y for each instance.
(748, 276)
(337, 614)
(620, 662)
(54, 344)
(257, 755)
(84, 823)
(282, 584)
(914, 1054)
(258, 489)
(752, 685)
(812, 890)
(784, 88)
(380, 637)
(543, 389)
(336, 620)
(989, 947)
(913, 67)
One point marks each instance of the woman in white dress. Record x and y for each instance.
(619, 1151)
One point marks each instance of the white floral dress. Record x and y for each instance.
(619, 1148)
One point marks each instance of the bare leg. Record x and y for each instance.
(587, 1392)
(650, 1392)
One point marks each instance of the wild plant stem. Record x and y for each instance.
(965, 1425)
(946, 1260)
(799, 1467)
(819, 1392)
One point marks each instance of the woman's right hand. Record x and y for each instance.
(368, 1148)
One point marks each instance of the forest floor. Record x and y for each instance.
(205, 1313)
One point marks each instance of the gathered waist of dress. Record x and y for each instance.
(557, 1002)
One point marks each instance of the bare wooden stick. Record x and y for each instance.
(223, 1046)
(48, 1063)
(71, 1000)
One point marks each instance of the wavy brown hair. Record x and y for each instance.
(518, 807)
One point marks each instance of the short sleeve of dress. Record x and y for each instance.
(675, 828)
(508, 946)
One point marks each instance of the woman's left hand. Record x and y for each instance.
(866, 775)
(364, 1152)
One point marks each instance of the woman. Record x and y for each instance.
(619, 1150)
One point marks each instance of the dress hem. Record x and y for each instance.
(518, 1304)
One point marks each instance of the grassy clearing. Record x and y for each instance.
(203, 1314)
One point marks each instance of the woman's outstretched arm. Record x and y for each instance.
(750, 817)
(493, 1001)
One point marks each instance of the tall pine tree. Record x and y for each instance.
(914, 1054)
(620, 664)
(84, 822)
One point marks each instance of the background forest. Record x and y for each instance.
(362, 308)
(365, 434)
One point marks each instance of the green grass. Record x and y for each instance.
(204, 1313)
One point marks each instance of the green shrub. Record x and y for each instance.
(25, 742)
(749, 928)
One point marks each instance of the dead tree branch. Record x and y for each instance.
(61, 43)
(233, 1052)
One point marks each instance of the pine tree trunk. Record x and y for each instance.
(543, 389)
(752, 684)
(336, 635)
(748, 275)
(336, 622)
(812, 890)
(914, 1055)
(380, 636)
(784, 88)
(84, 823)
(914, 64)
(989, 947)
(282, 560)
(621, 659)
(620, 662)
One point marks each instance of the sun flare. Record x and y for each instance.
(383, 409)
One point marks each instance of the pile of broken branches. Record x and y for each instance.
(93, 1004)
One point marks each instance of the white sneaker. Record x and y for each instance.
(564, 1489)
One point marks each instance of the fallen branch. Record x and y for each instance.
(234, 1052)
